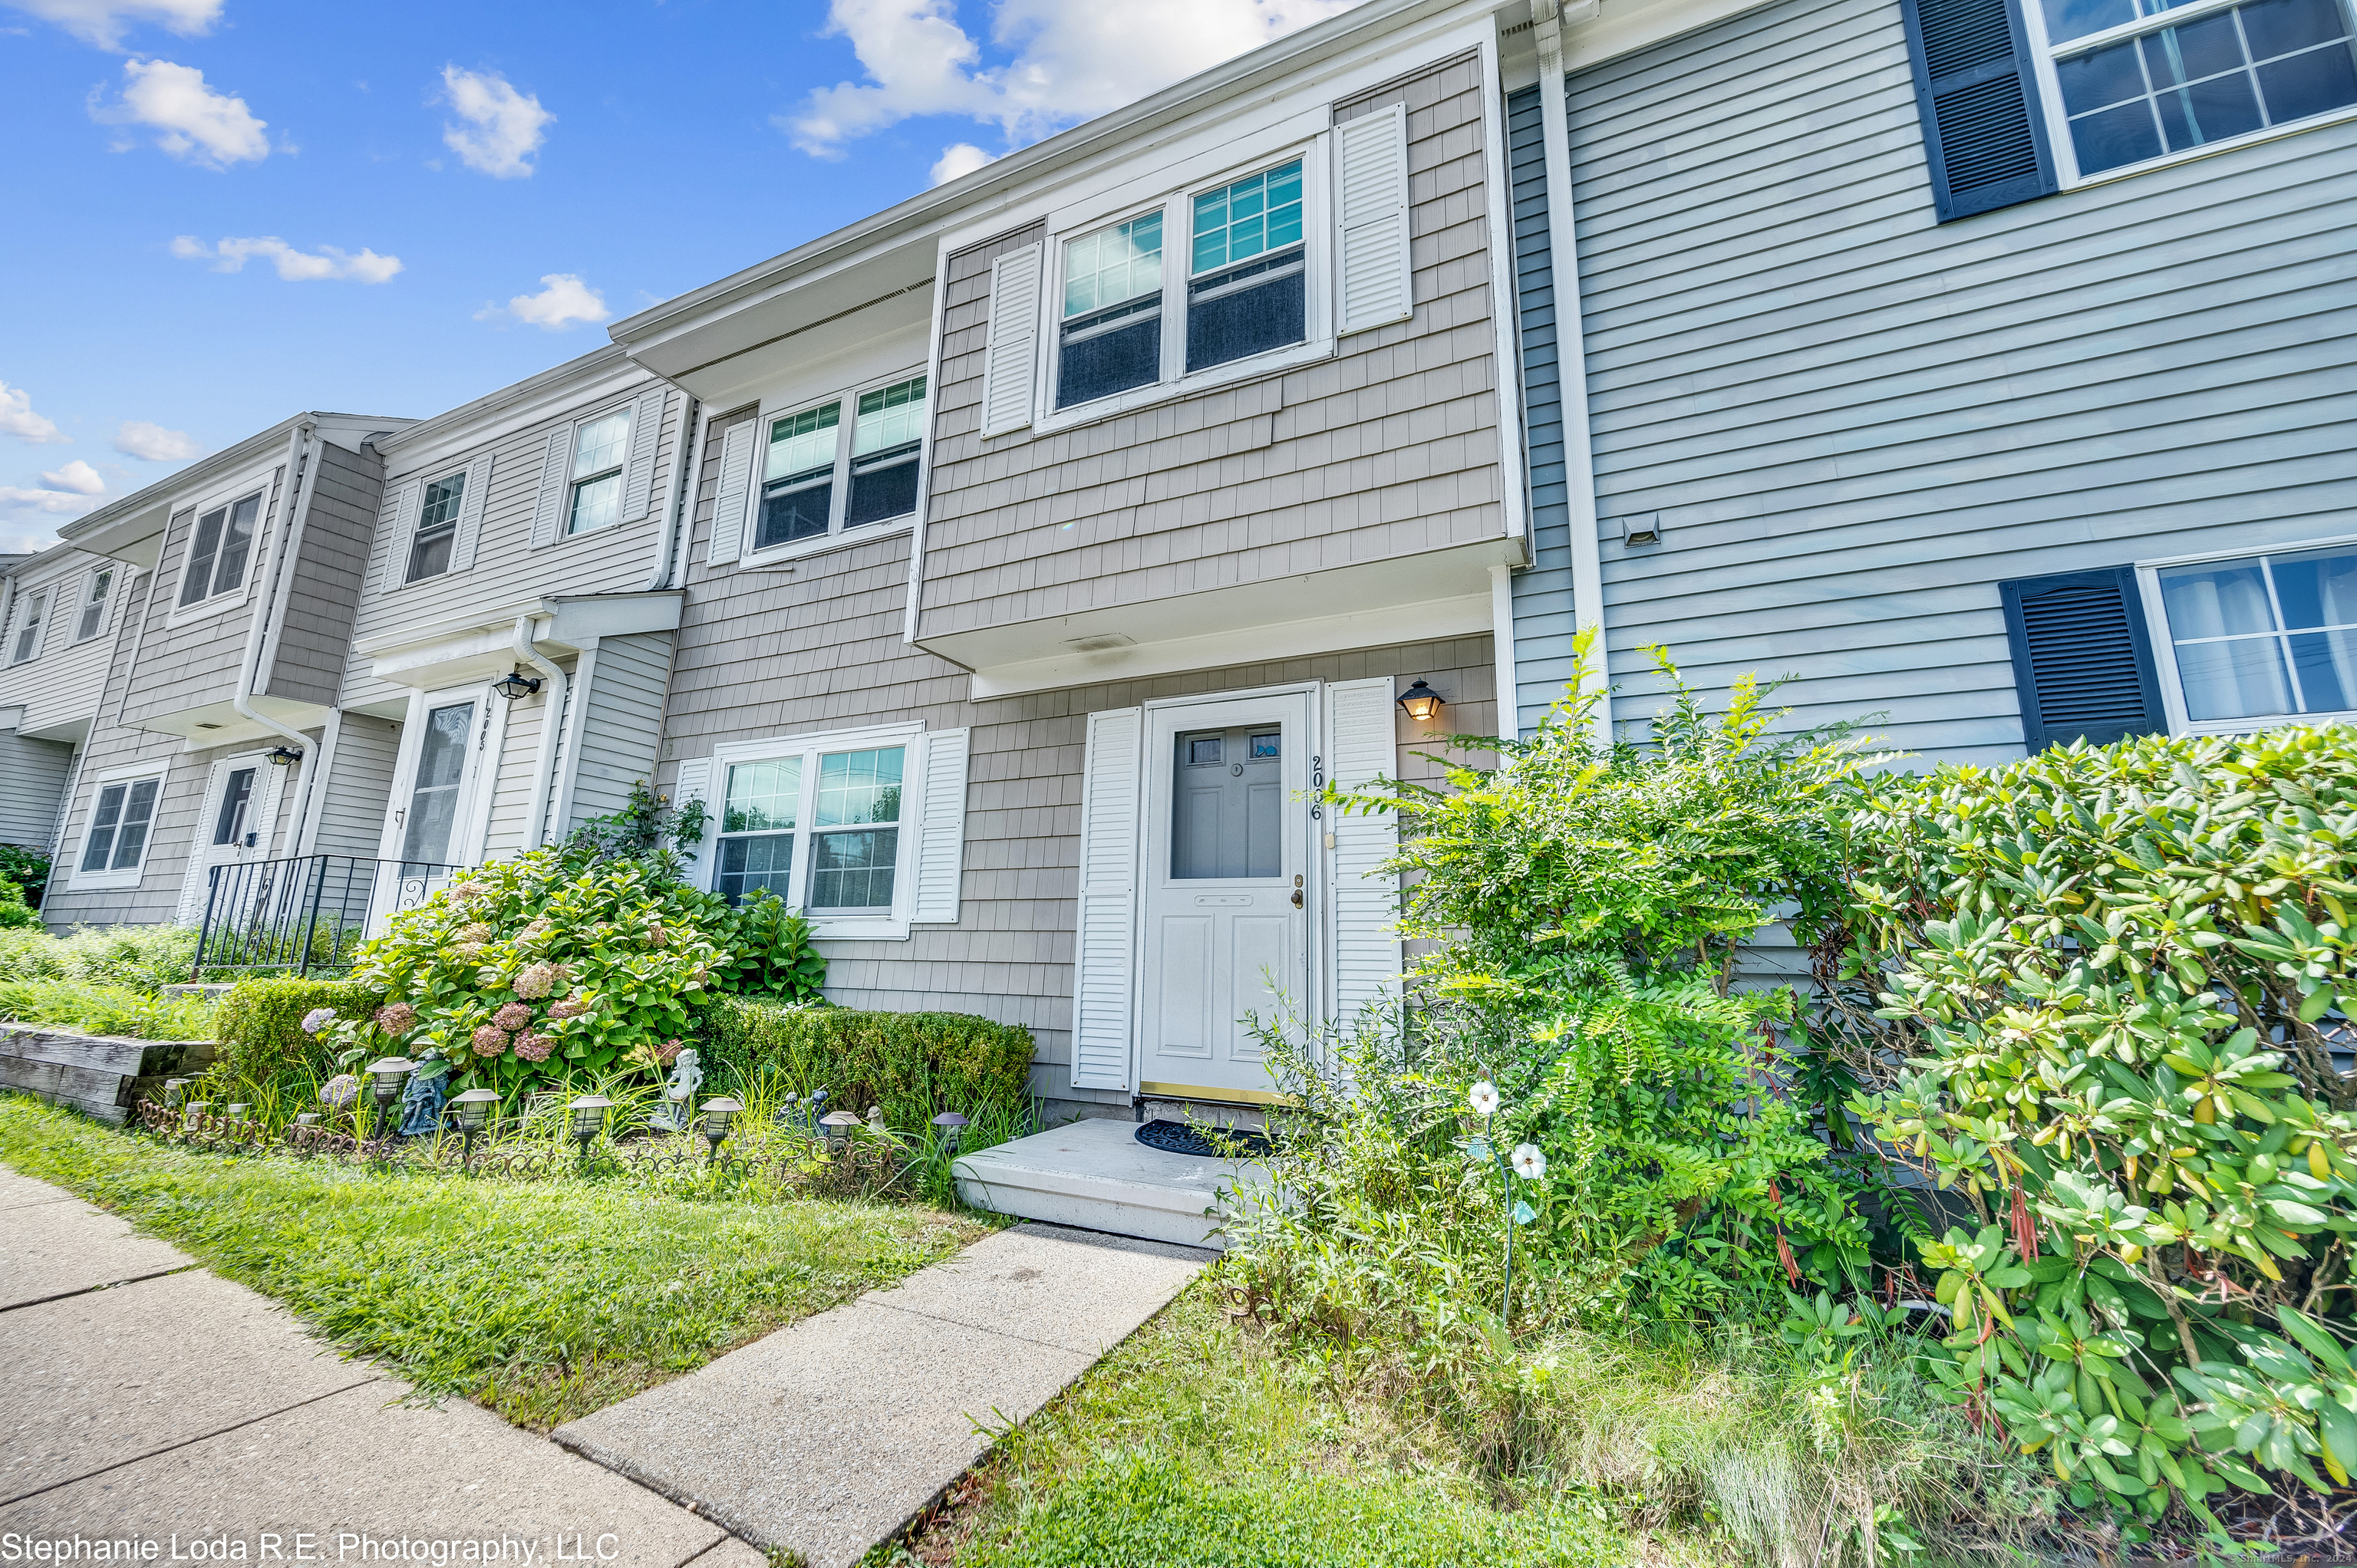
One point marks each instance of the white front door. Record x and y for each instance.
(440, 797)
(233, 826)
(1230, 903)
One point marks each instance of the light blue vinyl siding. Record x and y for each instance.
(1855, 422)
(1542, 607)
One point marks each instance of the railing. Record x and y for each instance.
(308, 913)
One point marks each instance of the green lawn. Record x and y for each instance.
(540, 1300)
(1190, 1444)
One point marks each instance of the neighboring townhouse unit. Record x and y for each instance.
(239, 579)
(1984, 365)
(1058, 532)
(521, 567)
(61, 611)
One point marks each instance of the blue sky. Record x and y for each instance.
(208, 198)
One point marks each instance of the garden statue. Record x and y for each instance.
(686, 1078)
(422, 1097)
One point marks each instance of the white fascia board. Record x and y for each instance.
(113, 528)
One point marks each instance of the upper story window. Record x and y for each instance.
(819, 477)
(29, 620)
(1247, 290)
(96, 589)
(2178, 85)
(119, 821)
(597, 453)
(216, 556)
(1110, 336)
(437, 528)
(2265, 636)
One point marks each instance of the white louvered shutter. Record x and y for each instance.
(693, 783)
(1105, 958)
(470, 514)
(1011, 360)
(555, 468)
(728, 506)
(940, 828)
(638, 469)
(1360, 746)
(400, 523)
(1370, 213)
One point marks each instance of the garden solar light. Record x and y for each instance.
(588, 1116)
(717, 1114)
(952, 1127)
(837, 1125)
(197, 1108)
(473, 1108)
(173, 1089)
(385, 1075)
(1421, 702)
(307, 1119)
(515, 686)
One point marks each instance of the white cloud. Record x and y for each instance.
(564, 301)
(1069, 59)
(56, 503)
(17, 418)
(198, 125)
(78, 476)
(504, 127)
(957, 160)
(102, 22)
(294, 265)
(154, 443)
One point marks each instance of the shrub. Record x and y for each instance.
(142, 957)
(913, 1065)
(260, 1025)
(97, 1009)
(14, 913)
(28, 868)
(2119, 977)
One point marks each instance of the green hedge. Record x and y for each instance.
(260, 1026)
(914, 1065)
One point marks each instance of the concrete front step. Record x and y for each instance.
(1095, 1175)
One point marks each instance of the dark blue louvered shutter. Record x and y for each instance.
(2082, 658)
(1977, 95)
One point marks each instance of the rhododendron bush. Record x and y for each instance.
(537, 969)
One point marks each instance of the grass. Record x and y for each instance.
(539, 1300)
(96, 1008)
(1193, 1444)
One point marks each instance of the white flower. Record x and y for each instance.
(1528, 1163)
(1484, 1098)
(318, 1018)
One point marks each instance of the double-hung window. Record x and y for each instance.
(1110, 338)
(2264, 637)
(597, 453)
(2153, 84)
(819, 477)
(30, 617)
(219, 549)
(437, 528)
(846, 803)
(1247, 281)
(96, 589)
(119, 820)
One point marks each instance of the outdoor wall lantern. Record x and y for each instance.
(284, 756)
(1422, 702)
(473, 1108)
(953, 1129)
(386, 1075)
(717, 1114)
(588, 1117)
(515, 686)
(838, 1126)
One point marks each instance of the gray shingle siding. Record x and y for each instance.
(1855, 422)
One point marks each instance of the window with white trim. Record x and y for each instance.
(96, 589)
(819, 826)
(599, 449)
(1247, 284)
(437, 528)
(2155, 84)
(1109, 336)
(2270, 636)
(115, 842)
(219, 549)
(30, 617)
(822, 476)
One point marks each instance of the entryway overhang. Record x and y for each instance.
(1406, 598)
(481, 644)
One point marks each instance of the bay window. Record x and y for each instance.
(218, 550)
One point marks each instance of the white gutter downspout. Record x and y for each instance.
(552, 717)
(298, 491)
(1571, 353)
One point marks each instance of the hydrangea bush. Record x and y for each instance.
(537, 969)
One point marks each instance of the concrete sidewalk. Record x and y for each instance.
(830, 1434)
(143, 1397)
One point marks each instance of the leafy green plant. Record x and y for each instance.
(96, 1009)
(143, 957)
(913, 1065)
(271, 1029)
(14, 913)
(28, 868)
(648, 829)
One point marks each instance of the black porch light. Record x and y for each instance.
(1421, 702)
(283, 756)
(516, 685)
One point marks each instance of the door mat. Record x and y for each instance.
(1177, 1138)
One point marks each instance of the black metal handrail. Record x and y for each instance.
(308, 913)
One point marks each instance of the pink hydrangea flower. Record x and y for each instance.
(535, 1047)
(514, 1016)
(490, 1040)
(561, 973)
(476, 932)
(657, 936)
(318, 1018)
(471, 950)
(396, 1018)
(668, 1052)
(571, 1008)
(535, 980)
